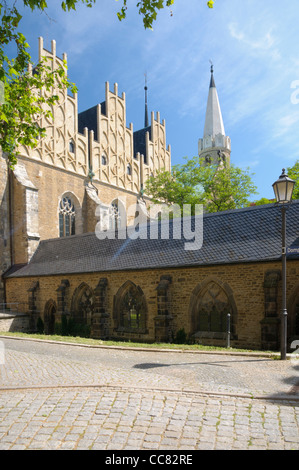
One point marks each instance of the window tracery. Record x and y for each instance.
(210, 303)
(115, 217)
(66, 217)
(213, 308)
(131, 308)
(83, 304)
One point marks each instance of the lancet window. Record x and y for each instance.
(66, 217)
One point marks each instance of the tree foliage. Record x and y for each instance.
(263, 200)
(148, 9)
(293, 173)
(22, 100)
(218, 188)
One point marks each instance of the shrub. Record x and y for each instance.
(64, 326)
(181, 337)
(40, 325)
(69, 327)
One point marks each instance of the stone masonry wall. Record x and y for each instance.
(245, 283)
(14, 323)
(52, 184)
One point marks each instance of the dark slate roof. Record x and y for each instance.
(139, 141)
(245, 235)
(88, 119)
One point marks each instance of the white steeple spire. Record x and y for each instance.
(214, 122)
(215, 145)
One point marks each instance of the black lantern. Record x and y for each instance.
(283, 188)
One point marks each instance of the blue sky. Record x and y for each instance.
(254, 49)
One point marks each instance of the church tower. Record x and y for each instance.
(215, 146)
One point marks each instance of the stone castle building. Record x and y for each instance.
(60, 274)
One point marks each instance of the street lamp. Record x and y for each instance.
(283, 190)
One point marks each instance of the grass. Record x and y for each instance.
(129, 344)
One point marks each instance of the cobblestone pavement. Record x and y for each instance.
(56, 396)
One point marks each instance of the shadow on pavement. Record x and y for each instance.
(152, 365)
(287, 397)
(293, 393)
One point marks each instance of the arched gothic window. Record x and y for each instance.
(104, 160)
(66, 217)
(209, 306)
(114, 219)
(129, 170)
(83, 304)
(130, 308)
(213, 309)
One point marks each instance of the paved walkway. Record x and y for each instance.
(56, 396)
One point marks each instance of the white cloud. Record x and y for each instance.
(286, 123)
(255, 43)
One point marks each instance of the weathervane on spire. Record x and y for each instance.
(212, 82)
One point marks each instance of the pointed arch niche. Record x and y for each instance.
(210, 303)
(49, 316)
(130, 309)
(83, 304)
(293, 316)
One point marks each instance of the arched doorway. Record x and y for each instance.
(49, 317)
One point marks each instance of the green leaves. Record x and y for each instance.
(71, 4)
(218, 188)
(23, 102)
(149, 9)
(40, 4)
(293, 173)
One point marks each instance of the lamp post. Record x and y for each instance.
(283, 190)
